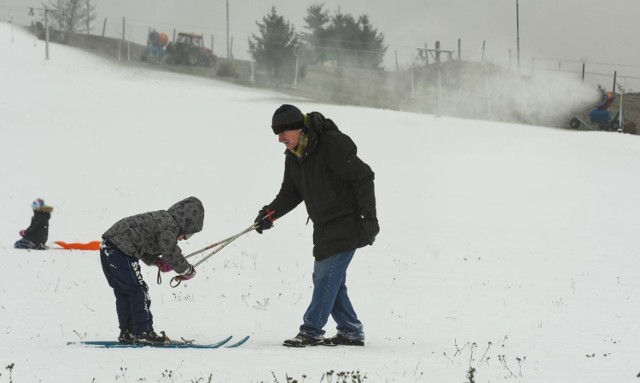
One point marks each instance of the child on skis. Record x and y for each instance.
(152, 238)
(35, 236)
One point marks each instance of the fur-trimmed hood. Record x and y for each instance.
(45, 209)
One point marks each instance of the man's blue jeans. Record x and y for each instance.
(330, 297)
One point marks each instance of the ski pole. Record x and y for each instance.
(225, 243)
(209, 247)
(219, 243)
(225, 240)
(175, 281)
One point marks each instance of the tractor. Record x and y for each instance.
(189, 49)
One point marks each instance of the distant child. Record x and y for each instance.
(35, 236)
(152, 238)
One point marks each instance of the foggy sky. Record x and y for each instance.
(550, 30)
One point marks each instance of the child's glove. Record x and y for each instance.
(190, 273)
(22, 233)
(163, 265)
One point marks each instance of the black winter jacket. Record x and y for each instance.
(38, 232)
(336, 186)
(147, 236)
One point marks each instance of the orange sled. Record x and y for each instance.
(93, 245)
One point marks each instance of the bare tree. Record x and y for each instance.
(72, 16)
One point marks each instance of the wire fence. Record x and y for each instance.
(398, 56)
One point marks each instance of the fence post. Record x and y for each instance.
(413, 91)
(583, 64)
(46, 33)
(426, 55)
(295, 75)
(88, 17)
(533, 62)
(439, 79)
(396, 52)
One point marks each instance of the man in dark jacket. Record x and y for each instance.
(323, 170)
(153, 238)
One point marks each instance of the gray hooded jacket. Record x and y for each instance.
(147, 236)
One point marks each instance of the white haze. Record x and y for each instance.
(507, 249)
(567, 32)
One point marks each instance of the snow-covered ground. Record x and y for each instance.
(508, 249)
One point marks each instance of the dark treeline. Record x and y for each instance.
(337, 39)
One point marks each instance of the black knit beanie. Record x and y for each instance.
(287, 117)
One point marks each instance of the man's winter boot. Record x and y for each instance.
(125, 336)
(302, 340)
(339, 340)
(150, 338)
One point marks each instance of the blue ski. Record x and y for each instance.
(170, 344)
(238, 343)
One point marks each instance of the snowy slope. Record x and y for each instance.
(505, 248)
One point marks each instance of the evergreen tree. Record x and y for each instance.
(344, 39)
(274, 49)
(317, 20)
(372, 48)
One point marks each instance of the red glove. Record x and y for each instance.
(22, 233)
(163, 265)
(190, 273)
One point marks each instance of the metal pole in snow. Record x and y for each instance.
(228, 51)
(46, 33)
(518, 31)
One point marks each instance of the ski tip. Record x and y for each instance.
(239, 343)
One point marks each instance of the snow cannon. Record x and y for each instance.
(156, 43)
(606, 99)
(157, 39)
(600, 116)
